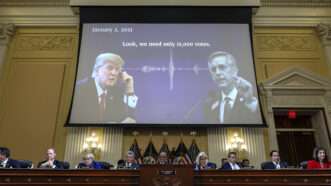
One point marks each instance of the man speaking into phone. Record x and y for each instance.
(108, 96)
(234, 101)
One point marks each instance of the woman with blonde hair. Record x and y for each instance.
(201, 162)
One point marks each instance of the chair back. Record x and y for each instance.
(25, 164)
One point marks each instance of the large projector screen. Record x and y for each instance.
(177, 74)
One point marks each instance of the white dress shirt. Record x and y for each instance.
(277, 164)
(232, 97)
(4, 163)
(234, 166)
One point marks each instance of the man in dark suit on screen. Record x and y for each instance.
(234, 101)
(107, 97)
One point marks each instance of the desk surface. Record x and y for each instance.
(132, 177)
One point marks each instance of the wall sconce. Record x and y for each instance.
(236, 144)
(92, 144)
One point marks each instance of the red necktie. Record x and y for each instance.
(102, 106)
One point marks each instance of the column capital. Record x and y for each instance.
(324, 31)
(6, 32)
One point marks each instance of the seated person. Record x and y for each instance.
(245, 164)
(275, 162)
(320, 160)
(120, 164)
(5, 160)
(131, 162)
(163, 158)
(149, 160)
(223, 161)
(180, 160)
(89, 163)
(201, 162)
(232, 162)
(50, 162)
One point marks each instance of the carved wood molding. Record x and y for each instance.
(324, 31)
(6, 32)
(45, 43)
(285, 43)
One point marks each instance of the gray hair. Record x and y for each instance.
(201, 154)
(89, 156)
(228, 56)
(130, 153)
(104, 58)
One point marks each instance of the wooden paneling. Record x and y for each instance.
(132, 177)
(277, 49)
(36, 93)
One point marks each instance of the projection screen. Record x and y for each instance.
(176, 74)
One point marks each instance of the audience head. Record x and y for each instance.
(4, 153)
(130, 157)
(180, 160)
(232, 157)
(202, 159)
(107, 69)
(245, 163)
(88, 159)
(120, 164)
(163, 158)
(275, 156)
(320, 155)
(149, 160)
(50, 155)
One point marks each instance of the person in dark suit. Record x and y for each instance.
(234, 96)
(108, 96)
(275, 162)
(232, 162)
(50, 162)
(89, 163)
(202, 163)
(6, 161)
(130, 162)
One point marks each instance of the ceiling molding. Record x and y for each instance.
(263, 3)
(296, 3)
(34, 2)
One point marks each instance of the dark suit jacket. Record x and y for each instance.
(94, 165)
(58, 164)
(12, 164)
(133, 166)
(86, 102)
(270, 165)
(227, 166)
(240, 113)
(210, 165)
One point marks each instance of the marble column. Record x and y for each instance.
(324, 31)
(6, 33)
